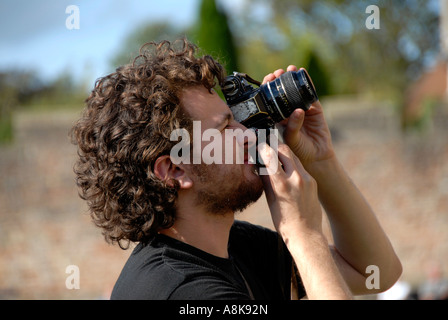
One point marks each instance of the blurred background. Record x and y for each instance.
(381, 77)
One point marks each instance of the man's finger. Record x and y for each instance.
(286, 158)
(293, 126)
(291, 68)
(268, 78)
(290, 161)
(278, 72)
(269, 156)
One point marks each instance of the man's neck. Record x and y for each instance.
(206, 231)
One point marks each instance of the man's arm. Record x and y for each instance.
(296, 213)
(359, 238)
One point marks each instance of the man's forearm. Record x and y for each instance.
(297, 216)
(358, 236)
(320, 276)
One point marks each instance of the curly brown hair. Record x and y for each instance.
(125, 127)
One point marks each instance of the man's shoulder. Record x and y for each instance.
(166, 266)
(243, 230)
(148, 274)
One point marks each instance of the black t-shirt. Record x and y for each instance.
(259, 267)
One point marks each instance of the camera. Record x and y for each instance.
(270, 103)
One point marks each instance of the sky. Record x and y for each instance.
(34, 35)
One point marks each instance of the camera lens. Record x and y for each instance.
(292, 90)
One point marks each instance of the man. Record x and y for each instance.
(183, 215)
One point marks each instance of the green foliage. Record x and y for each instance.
(25, 90)
(153, 32)
(357, 60)
(6, 126)
(319, 74)
(328, 38)
(423, 123)
(212, 34)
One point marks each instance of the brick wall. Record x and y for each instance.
(44, 226)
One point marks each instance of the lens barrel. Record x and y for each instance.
(292, 90)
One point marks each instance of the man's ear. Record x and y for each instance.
(167, 171)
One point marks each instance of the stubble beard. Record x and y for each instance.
(224, 192)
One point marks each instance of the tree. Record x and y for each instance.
(319, 74)
(214, 37)
(359, 60)
(146, 33)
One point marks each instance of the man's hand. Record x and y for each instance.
(359, 240)
(307, 134)
(291, 193)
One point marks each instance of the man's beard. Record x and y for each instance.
(221, 193)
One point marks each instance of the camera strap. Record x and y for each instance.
(249, 79)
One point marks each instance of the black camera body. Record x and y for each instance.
(270, 103)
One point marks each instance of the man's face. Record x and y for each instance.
(221, 187)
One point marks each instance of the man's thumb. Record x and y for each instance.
(292, 130)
